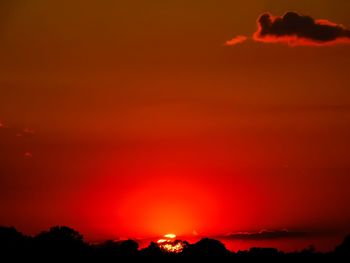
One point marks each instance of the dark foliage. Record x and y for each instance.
(64, 244)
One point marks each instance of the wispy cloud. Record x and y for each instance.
(236, 40)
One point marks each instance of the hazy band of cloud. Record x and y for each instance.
(265, 234)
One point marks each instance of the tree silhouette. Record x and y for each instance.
(153, 250)
(60, 242)
(10, 237)
(111, 250)
(207, 247)
(12, 243)
(343, 250)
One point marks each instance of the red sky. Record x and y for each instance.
(134, 119)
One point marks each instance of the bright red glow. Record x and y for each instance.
(161, 204)
(169, 192)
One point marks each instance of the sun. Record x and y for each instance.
(170, 236)
(170, 244)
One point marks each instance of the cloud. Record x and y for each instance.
(236, 40)
(264, 234)
(299, 30)
(296, 30)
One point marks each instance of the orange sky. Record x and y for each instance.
(133, 118)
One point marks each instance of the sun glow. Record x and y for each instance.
(170, 236)
(169, 244)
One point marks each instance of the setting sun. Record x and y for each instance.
(170, 236)
(167, 238)
(170, 244)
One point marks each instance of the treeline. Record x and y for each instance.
(64, 244)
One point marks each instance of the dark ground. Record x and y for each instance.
(63, 244)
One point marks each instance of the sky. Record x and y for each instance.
(140, 118)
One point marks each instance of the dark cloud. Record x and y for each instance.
(296, 29)
(265, 234)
